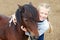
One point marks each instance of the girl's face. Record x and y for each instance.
(43, 14)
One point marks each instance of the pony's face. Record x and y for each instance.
(29, 16)
(31, 26)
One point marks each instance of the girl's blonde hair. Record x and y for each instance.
(45, 6)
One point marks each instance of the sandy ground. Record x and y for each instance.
(8, 7)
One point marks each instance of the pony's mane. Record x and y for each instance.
(31, 9)
(18, 15)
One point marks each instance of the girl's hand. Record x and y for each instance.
(24, 29)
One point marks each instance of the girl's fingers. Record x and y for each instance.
(23, 28)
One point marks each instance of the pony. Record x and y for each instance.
(26, 16)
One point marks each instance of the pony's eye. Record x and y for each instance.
(25, 19)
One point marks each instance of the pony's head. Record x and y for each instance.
(27, 15)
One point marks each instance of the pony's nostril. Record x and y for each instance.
(34, 38)
(37, 37)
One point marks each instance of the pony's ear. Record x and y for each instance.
(21, 8)
(19, 5)
(30, 3)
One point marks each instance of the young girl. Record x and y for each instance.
(43, 24)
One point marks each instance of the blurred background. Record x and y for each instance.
(8, 7)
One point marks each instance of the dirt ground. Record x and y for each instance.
(8, 7)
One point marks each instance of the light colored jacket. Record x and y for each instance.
(43, 27)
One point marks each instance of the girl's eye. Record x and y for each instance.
(46, 14)
(42, 13)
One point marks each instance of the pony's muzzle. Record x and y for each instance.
(34, 36)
